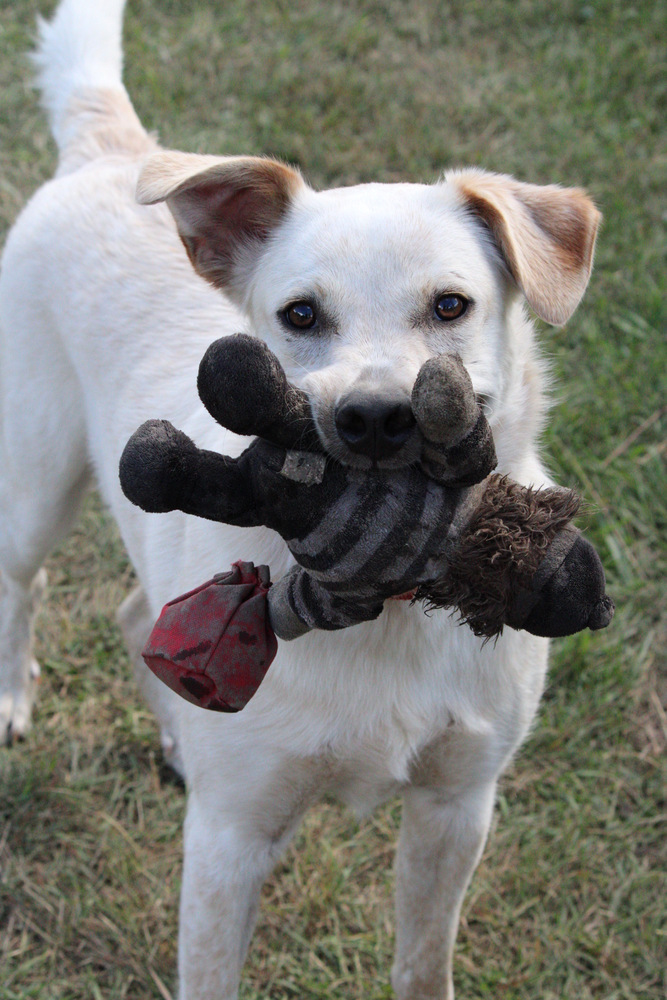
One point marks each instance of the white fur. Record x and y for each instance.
(103, 323)
(80, 48)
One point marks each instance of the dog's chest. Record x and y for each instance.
(408, 699)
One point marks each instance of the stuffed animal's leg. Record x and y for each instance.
(243, 386)
(440, 844)
(298, 603)
(161, 469)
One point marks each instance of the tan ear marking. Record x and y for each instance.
(222, 205)
(546, 235)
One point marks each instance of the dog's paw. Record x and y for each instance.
(16, 709)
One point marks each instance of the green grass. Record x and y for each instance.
(570, 897)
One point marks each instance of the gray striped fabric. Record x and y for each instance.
(386, 534)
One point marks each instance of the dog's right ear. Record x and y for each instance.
(225, 207)
(545, 233)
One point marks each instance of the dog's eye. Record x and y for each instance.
(450, 306)
(300, 315)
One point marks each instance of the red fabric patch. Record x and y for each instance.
(213, 645)
(403, 597)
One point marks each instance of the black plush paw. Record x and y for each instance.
(155, 466)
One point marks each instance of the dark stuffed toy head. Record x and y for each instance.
(534, 570)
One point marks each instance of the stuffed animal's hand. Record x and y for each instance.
(162, 469)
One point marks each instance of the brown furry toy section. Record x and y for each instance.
(493, 564)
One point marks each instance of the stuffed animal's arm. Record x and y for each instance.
(458, 444)
(161, 469)
(243, 386)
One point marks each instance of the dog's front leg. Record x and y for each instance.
(223, 873)
(245, 803)
(440, 844)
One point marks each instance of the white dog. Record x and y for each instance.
(103, 322)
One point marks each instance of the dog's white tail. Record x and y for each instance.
(80, 63)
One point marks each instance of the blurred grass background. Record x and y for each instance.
(570, 899)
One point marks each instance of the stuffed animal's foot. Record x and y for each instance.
(213, 645)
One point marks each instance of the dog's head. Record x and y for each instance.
(354, 288)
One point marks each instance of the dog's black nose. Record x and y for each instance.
(377, 428)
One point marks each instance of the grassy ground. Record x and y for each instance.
(570, 898)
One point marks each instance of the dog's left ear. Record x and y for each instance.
(546, 235)
(225, 207)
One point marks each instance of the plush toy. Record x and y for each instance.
(443, 531)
